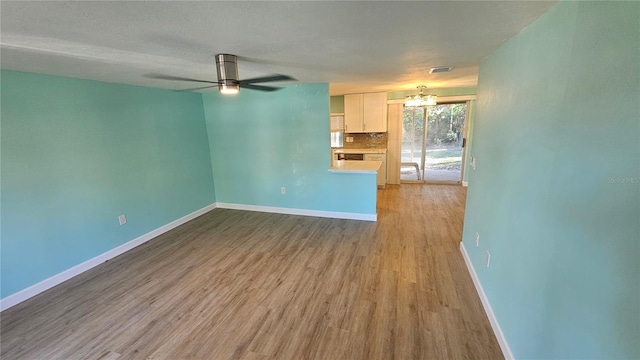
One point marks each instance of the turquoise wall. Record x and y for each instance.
(76, 154)
(556, 193)
(261, 142)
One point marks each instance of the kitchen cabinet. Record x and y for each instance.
(382, 172)
(353, 113)
(365, 113)
(374, 112)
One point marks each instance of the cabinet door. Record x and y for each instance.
(374, 112)
(382, 172)
(353, 113)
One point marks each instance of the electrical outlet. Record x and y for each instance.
(487, 258)
(122, 219)
(283, 190)
(477, 239)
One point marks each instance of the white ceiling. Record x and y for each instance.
(354, 46)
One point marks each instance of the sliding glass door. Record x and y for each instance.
(432, 149)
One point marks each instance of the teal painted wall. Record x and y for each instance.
(76, 154)
(262, 141)
(556, 193)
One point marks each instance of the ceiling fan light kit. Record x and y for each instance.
(228, 88)
(421, 99)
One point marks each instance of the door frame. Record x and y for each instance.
(441, 99)
(465, 140)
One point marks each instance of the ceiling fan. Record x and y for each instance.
(228, 82)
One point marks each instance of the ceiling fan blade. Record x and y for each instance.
(170, 77)
(270, 78)
(259, 87)
(198, 88)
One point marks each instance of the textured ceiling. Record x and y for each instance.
(354, 46)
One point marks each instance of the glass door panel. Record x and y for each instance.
(445, 133)
(412, 144)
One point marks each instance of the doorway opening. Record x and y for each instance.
(432, 150)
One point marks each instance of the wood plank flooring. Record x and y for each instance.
(248, 285)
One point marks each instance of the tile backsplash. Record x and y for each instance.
(366, 141)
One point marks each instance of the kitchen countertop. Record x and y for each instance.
(342, 166)
(360, 151)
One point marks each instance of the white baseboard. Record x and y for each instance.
(506, 351)
(465, 183)
(46, 284)
(303, 212)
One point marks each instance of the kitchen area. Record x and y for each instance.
(359, 135)
(414, 144)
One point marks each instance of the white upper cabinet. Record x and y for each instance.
(365, 112)
(353, 113)
(375, 112)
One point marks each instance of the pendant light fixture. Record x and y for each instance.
(421, 99)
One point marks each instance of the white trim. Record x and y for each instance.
(46, 284)
(303, 212)
(506, 351)
(465, 183)
(465, 136)
(445, 99)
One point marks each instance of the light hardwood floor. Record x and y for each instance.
(248, 285)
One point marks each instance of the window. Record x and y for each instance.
(337, 130)
(336, 139)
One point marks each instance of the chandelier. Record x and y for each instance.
(421, 99)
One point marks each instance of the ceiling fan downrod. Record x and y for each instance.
(227, 67)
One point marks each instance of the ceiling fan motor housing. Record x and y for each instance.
(227, 67)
